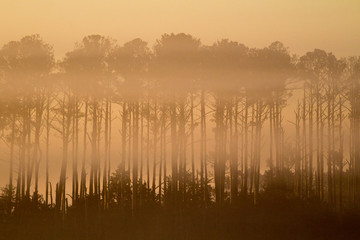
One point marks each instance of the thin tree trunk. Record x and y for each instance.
(135, 155)
(47, 151)
(83, 171)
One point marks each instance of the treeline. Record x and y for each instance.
(189, 121)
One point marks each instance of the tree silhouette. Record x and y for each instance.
(119, 115)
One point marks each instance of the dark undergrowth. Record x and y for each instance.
(268, 219)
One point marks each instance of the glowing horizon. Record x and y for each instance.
(301, 26)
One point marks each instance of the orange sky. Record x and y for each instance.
(333, 25)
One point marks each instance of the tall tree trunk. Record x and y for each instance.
(341, 148)
(83, 170)
(329, 173)
(192, 144)
(106, 155)
(141, 152)
(305, 157)
(202, 145)
(174, 153)
(93, 174)
(155, 151)
(162, 146)
(298, 152)
(123, 152)
(148, 150)
(318, 114)
(13, 119)
(236, 152)
(271, 164)
(311, 141)
(47, 150)
(246, 148)
(219, 166)
(135, 155)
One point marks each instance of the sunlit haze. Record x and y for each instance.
(300, 25)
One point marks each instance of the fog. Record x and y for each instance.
(177, 107)
(175, 126)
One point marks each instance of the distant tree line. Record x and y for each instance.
(192, 120)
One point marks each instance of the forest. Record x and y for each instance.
(178, 140)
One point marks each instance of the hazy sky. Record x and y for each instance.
(333, 25)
